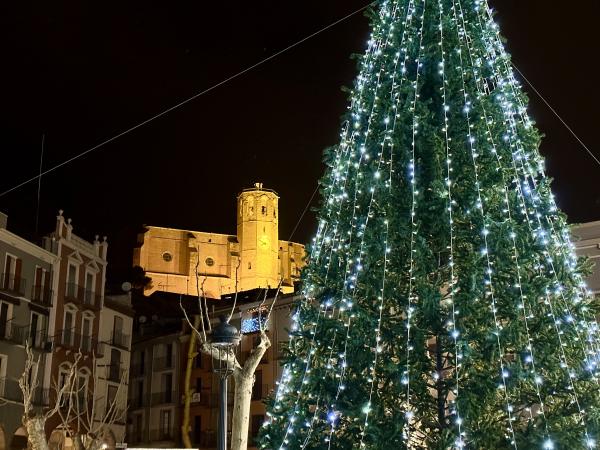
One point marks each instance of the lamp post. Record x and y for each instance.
(223, 340)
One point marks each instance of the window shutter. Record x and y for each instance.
(18, 274)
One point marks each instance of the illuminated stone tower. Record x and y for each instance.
(258, 236)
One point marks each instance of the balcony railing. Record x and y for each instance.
(206, 439)
(120, 339)
(115, 373)
(10, 390)
(91, 299)
(164, 363)
(163, 435)
(73, 293)
(137, 402)
(13, 284)
(69, 339)
(22, 335)
(160, 398)
(41, 295)
(138, 370)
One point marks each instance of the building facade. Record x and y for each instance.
(253, 258)
(25, 308)
(154, 396)
(113, 365)
(78, 286)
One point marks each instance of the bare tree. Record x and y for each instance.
(89, 414)
(34, 419)
(85, 414)
(243, 374)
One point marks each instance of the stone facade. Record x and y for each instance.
(253, 258)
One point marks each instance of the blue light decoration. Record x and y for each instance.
(253, 324)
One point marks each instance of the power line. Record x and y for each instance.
(557, 115)
(187, 100)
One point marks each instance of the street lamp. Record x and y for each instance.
(223, 340)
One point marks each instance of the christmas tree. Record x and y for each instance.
(444, 305)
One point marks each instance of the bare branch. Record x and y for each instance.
(198, 294)
(236, 290)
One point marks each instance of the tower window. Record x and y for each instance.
(264, 210)
(209, 261)
(166, 256)
(249, 265)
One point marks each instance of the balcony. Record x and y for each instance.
(137, 402)
(12, 284)
(10, 390)
(137, 370)
(74, 341)
(115, 373)
(163, 435)
(22, 335)
(206, 439)
(163, 363)
(73, 293)
(120, 339)
(91, 299)
(41, 295)
(161, 398)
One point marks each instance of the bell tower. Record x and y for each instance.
(258, 235)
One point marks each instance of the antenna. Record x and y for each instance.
(37, 209)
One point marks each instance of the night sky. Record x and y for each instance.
(81, 72)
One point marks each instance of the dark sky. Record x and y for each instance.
(81, 72)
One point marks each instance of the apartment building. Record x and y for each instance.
(25, 308)
(112, 367)
(74, 323)
(154, 396)
(586, 237)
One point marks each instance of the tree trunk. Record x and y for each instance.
(36, 434)
(241, 409)
(185, 423)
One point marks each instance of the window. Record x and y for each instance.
(5, 310)
(257, 391)
(140, 393)
(198, 361)
(197, 429)
(142, 361)
(168, 355)
(137, 426)
(3, 363)
(118, 331)
(264, 210)
(167, 387)
(89, 288)
(68, 328)
(257, 421)
(209, 261)
(86, 333)
(35, 330)
(198, 385)
(111, 397)
(165, 423)
(63, 378)
(72, 281)
(12, 273)
(115, 365)
(167, 257)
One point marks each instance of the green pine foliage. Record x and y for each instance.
(444, 305)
